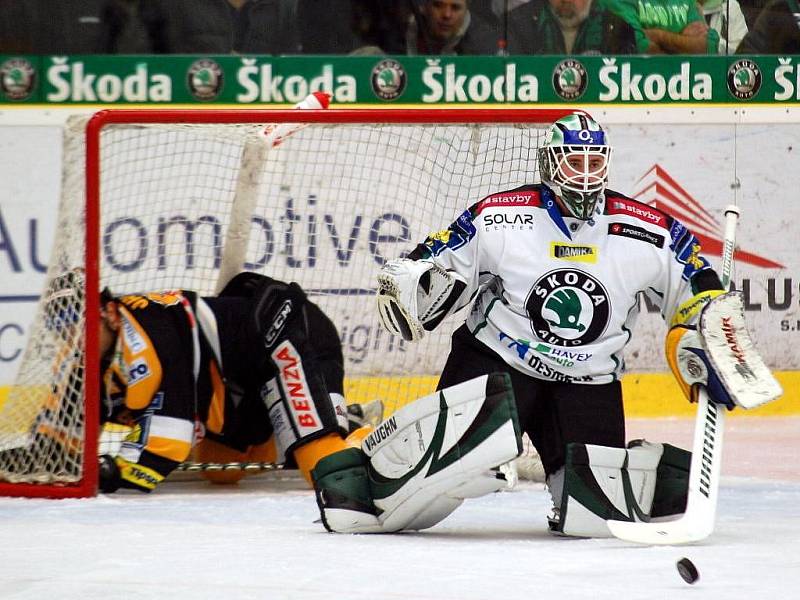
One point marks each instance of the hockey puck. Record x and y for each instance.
(687, 570)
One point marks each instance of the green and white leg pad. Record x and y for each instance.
(424, 460)
(599, 483)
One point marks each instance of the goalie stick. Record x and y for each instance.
(697, 522)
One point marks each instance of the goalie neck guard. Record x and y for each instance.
(574, 162)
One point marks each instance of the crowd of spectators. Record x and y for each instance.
(429, 27)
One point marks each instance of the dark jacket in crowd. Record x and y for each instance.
(534, 29)
(216, 27)
(332, 26)
(62, 27)
(476, 38)
(776, 30)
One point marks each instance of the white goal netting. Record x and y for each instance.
(186, 206)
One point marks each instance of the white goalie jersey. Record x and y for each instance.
(556, 297)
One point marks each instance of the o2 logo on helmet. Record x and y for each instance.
(204, 79)
(744, 79)
(568, 307)
(388, 79)
(570, 79)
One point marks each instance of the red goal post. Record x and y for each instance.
(149, 201)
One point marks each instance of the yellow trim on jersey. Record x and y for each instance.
(172, 449)
(139, 301)
(139, 357)
(691, 308)
(169, 437)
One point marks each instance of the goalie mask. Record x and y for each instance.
(574, 162)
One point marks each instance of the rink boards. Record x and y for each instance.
(647, 395)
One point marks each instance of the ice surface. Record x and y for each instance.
(191, 541)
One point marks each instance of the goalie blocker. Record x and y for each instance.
(419, 465)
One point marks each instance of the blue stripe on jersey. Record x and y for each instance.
(460, 232)
(552, 209)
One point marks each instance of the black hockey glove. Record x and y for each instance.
(109, 475)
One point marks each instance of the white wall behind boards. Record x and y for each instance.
(705, 168)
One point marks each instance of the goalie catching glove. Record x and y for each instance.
(720, 354)
(415, 295)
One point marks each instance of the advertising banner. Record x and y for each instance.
(247, 80)
(31, 170)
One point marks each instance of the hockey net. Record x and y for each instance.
(157, 200)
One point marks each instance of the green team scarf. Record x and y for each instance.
(670, 15)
